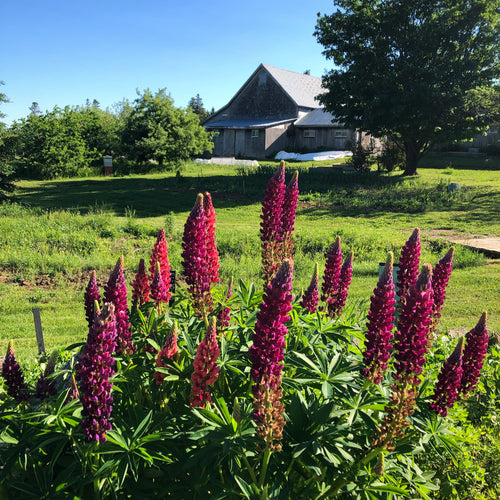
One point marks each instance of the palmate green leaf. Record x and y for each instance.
(142, 427)
(115, 437)
(249, 490)
(307, 361)
(208, 416)
(387, 488)
(6, 438)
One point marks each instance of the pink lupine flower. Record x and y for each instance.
(409, 263)
(205, 366)
(169, 350)
(160, 255)
(212, 252)
(140, 286)
(94, 369)
(290, 201)
(380, 326)
(310, 298)
(271, 225)
(224, 314)
(440, 278)
(44, 387)
(446, 389)
(336, 304)
(91, 296)
(115, 292)
(159, 292)
(13, 376)
(476, 344)
(333, 266)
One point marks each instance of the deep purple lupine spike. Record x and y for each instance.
(115, 292)
(159, 291)
(44, 387)
(205, 366)
(476, 344)
(310, 299)
(212, 252)
(140, 286)
(160, 255)
(409, 263)
(91, 295)
(380, 325)
(448, 383)
(290, 201)
(169, 350)
(94, 369)
(224, 314)
(440, 278)
(272, 225)
(13, 376)
(336, 304)
(333, 266)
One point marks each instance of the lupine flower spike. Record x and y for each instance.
(224, 314)
(94, 369)
(160, 255)
(288, 218)
(448, 384)
(44, 387)
(336, 304)
(271, 226)
(212, 252)
(13, 376)
(140, 286)
(115, 292)
(440, 278)
(169, 350)
(205, 366)
(333, 266)
(476, 344)
(91, 295)
(159, 292)
(310, 298)
(409, 263)
(266, 355)
(380, 325)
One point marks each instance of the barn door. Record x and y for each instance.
(239, 143)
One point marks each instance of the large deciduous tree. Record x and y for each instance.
(410, 70)
(7, 142)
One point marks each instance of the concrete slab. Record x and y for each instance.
(489, 246)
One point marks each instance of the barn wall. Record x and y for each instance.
(324, 139)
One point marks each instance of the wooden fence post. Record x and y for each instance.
(38, 330)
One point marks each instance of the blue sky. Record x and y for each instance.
(61, 52)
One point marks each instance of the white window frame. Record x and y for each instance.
(309, 134)
(255, 133)
(341, 133)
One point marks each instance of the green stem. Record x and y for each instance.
(249, 468)
(265, 462)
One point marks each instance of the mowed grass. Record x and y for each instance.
(60, 230)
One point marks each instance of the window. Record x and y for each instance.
(255, 133)
(309, 134)
(341, 133)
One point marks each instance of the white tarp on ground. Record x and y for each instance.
(228, 161)
(324, 155)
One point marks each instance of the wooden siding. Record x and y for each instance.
(324, 138)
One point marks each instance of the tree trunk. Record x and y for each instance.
(412, 152)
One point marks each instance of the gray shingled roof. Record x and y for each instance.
(317, 118)
(300, 87)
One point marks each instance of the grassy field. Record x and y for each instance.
(58, 231)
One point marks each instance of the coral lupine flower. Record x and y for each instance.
(212, 252)
(409, 263)
(336, 304)
(140, 286)
(224, 314)
(159, 292)
(310, 298)
(272, 225)
(160, 255)
(266, 355)
(288, 218)
(380, 326)
(205, 366)
(440, 278)
(446, 390)
(333, 266)
(169, 350)
(91, 296)
(44, 387)
(94, 369)
(13, 376)
(476, 344)
(115, 292)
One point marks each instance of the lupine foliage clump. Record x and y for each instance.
(253, 391)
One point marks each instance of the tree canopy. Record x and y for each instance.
(411, 70)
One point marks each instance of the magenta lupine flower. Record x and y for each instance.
(140, 286)
(336, 304)
(310, 298)
(409, 264)
(115, 292)
(333, 267)
(91, 296)
(194, 243)
(13, 376)
(224, 314)
(476, 344)
(160, 255)
(272, 226)
(380, 325)
(440, 278)
(159, 292)
(44, 387)
(94, 369)
(205, 366)
(169, 350)
(448, 383)
(290, 201)
(266, 355)
(212, 252)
